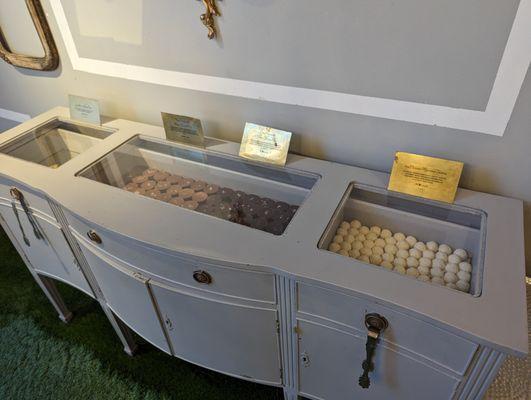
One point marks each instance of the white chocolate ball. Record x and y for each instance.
(377, 250)
(388, 257)
(364, 230)
(368, 243)
(451, 268)
(334, 247)
(357, 245)
(386, 233)
(354, 232)
(349, 238)
(361, 238)
(366, 251)
(399, 236)
(462, 254)
(438, 263)
(354, 253)
(380, 243)
(444, 248)
(437, 280)
(451, 285)
(464, 266)
(386, 265)
(464, 276)
(433, 246)
(423, 278)
(342, 232)
(345, 225)
(412, 262)
(420, 246)
(437, 272)
(355, 224)
(463, 286)
(450, 277)
(343, 252)
(424, 270)
(428, 254)
(403, 245)
(391, 249)
(402, 253)
(390, 240)
(338, 239)
(411, 240)
(375, 259)
(441, 256)
(364, 258)
(415, 253)
(425, 262)
(371, 236)
(453, 259)
(400, 269)
(346, 246)
(412, 272)
(376, 229)
(399, 262)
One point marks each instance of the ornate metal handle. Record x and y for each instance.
(202, 277)
(375, 324)
(17, 195)
(92, 235)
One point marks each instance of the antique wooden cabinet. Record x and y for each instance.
(234, 266)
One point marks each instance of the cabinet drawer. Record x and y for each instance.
(429, 341)
(34, 200)
(235, 282)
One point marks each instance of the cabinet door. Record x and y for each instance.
(127, 295)
(49, 255)
(330, 363)
(234, 339)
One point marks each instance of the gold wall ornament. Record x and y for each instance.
(211, 11)
(50, 61)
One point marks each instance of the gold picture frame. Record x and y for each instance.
(50, 61)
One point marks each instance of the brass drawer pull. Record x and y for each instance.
(92, 235)
(16, 194)
(202, 277)
(375, 324)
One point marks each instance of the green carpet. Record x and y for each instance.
(43, 358)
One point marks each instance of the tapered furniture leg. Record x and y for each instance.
(122, 330)
(50, 290)
(290, 394)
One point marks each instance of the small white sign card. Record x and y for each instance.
(262, 143)
(84, 109)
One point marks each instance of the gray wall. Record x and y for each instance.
(440, 52)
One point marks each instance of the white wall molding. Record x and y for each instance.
(509, 80)
(13, 115)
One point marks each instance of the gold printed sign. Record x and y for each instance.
(180, 128)
(265, 144)
(423, 176)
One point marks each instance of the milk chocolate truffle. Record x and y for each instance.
(174, 179)
(148, 185)
(154, 193)
(186, 182)
(186, 193)
(198, 186)
(165, 197)
(163, 185)
(150, 172)
(161, 176)
(174, 190)
(131, 187)
(140, 179)
(211, 189)
(178, 201)
(191, 205)
(200, 197)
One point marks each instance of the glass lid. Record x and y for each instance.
(54, 143)
(223, 186)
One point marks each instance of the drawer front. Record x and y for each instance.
(437, 345)
(330, 363)
(33, 199)
(185, 270)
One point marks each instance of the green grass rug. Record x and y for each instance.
(43, 358)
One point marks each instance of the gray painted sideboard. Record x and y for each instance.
(271, 308)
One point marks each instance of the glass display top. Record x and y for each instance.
(222, 186)
(54, 143)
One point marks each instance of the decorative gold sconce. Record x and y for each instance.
(211, 11)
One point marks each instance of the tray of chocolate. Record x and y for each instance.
(235, 206)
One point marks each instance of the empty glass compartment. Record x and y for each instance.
(54, 143)
(223, 186)
(426, 240)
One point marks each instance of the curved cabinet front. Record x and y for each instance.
(239, 340)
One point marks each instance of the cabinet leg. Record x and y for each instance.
(290, 394)
(121, 329)
(50, 290)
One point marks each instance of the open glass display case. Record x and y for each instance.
(429, 241)
(54, 143)
(223, 186)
